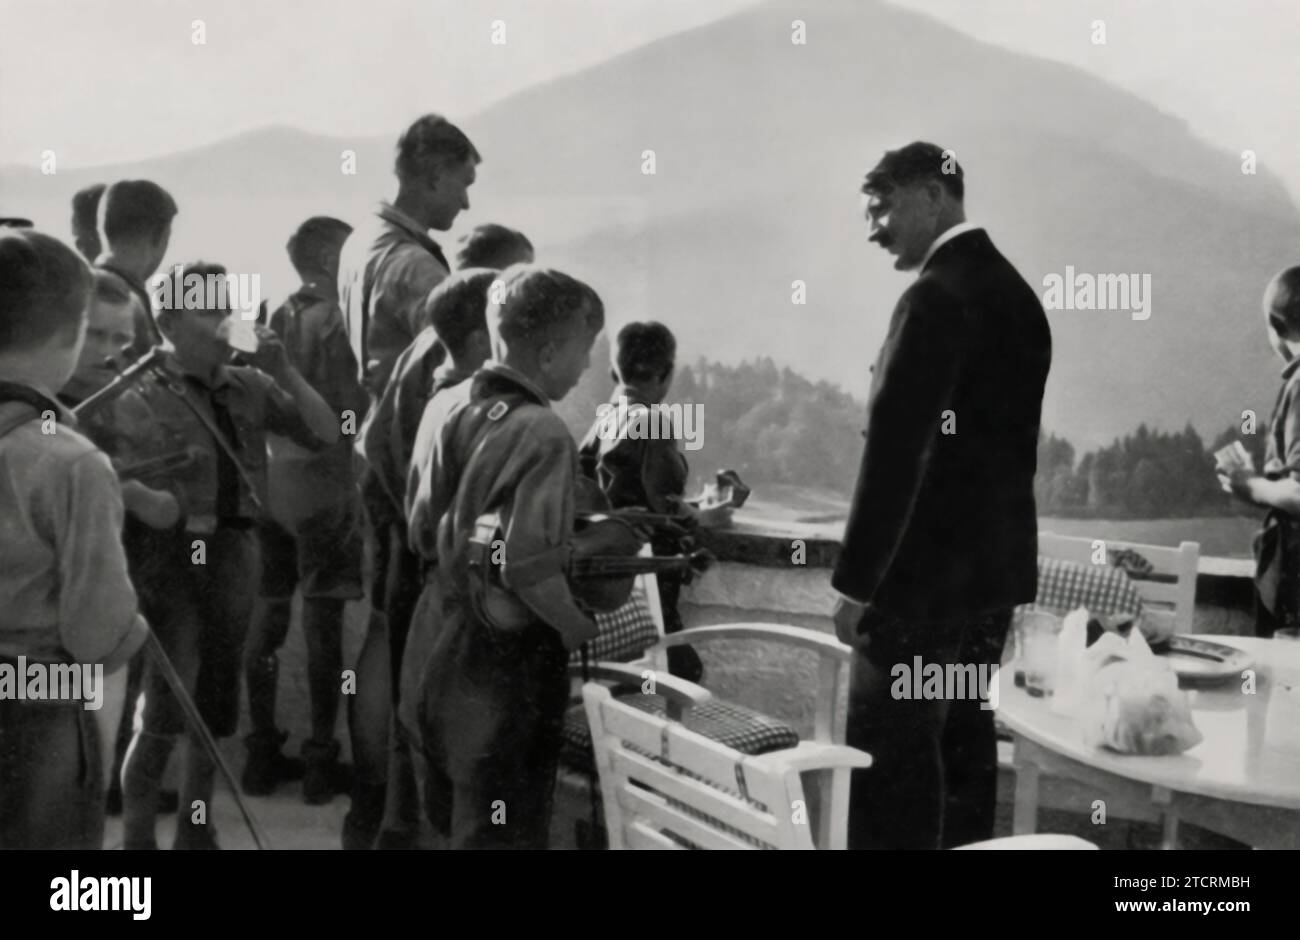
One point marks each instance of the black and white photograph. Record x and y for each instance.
(651, 424)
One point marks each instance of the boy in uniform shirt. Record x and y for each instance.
(312, 540)
(198, 578)
(65, 595)
(386, 442)
(485, 701)
(643, 470)
(114, 427)
(456, 310)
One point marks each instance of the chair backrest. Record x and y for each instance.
(1168, 590)
(664, 787)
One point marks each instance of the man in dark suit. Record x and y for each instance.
(942, 535)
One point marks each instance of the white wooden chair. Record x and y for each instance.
(1168, 593)
(825, 790)
(665, 787)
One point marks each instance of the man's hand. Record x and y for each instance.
(847, 616)
(1238, 482)
(157, 509)
(271, 356)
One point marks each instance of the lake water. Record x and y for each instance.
(1219, 536)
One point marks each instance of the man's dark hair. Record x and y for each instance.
(538, 304)
(110, 288)
(136, 209)
(178, 274)
(493, 246)
(911, 164)
(644, 352)
(316, 243)
(431, 145)
(457, 307)
(44, 287)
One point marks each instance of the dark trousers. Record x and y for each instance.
(491, 711)
(933, 779)
(51, 778)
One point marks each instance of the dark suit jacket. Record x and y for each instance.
(943, 526)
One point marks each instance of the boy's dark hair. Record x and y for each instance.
(316, 243)
(913, 163)
(178, 274)
(136, 209)
(457, 307)
(646, 352)
(85, 206)
(44, 287)
(430, 145)
(109, 288)
(537, 304)
(492, 246)
(1286, 284)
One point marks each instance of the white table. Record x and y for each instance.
(1242, 780)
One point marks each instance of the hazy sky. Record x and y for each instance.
(1231, 68)
(99, 81)
(104, 80)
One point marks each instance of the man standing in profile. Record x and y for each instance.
(388, 266)
(941, 540)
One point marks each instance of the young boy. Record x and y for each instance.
(65, 596)
(386, 443)
(648, 472)
(486, 701)
(198, 584)
(312, 541)
(456, 310)
(114, 428)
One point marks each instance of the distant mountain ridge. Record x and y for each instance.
(759, 147)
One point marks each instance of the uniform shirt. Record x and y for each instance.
(302, 480)
(1283, 447)
(634, 470)
(522, 465)
(388, 439)
(246, 404)
(64, 589)
(386, 270)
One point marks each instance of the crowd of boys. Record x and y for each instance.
(388, 400)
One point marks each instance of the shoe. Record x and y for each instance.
(267, 767)
(168, 800)
(320, 775)
(191, 837)
(361, 824)
(396, 839)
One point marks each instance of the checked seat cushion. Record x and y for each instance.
(734, 726)
(1104, 590)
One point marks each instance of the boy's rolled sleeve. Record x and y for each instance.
(540, 523)
(99, 620)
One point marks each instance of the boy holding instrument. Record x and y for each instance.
(199, 580)
(485, 697)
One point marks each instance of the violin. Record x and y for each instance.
(146, 366)
(157, 466)
(600, 560)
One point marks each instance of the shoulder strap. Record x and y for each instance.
(12, 391)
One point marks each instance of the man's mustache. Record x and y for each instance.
(881, 238)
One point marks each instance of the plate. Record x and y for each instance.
(1204, 659)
